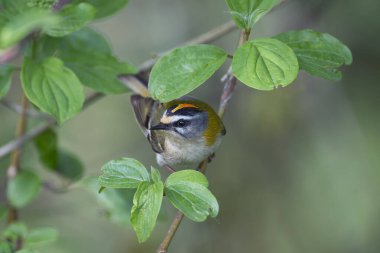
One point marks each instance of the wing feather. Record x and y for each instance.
(142, 107)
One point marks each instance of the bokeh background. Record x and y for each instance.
(298, 171)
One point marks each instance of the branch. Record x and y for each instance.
(14, 166)
(18, 109)
(21, 140)
(31, 134)
(207, 37)
(225, 98)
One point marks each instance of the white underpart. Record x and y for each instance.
(186, 154)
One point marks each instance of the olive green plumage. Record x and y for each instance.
(182, 132)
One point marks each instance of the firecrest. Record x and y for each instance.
(182, 132)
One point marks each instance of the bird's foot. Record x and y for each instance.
(211, 157)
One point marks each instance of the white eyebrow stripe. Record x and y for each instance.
(170, 119)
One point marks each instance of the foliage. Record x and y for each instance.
(320, 54)
(31, 239)
(183, 70)
(61, 55)
(55, 69)
(23, 188)
(265, 64)
(186, 190)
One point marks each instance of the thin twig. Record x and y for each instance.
(18, 109)
(14, 166)
(31, 134)
(207, 37)
(20, 141)
(171, 232)
(225, 98)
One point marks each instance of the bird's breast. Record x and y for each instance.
(185, 153)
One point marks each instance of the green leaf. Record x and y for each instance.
(41, 236)
(146, 206)
(88, 54)
(46, 144)
(184, 69)
(52, 87)
(246, 13)
(265, 64)
(15, 230)
(188, 176)
(69, 166)
(155, 175)
(59, 161)
(84, 41)
(23, 188)
(5, 78)
(117, 202)
(194, 200)
(73, 18)
(123, 173)
(21, 25)
(187, 191)
(319, 54)
(105, 8)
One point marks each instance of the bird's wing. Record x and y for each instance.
(156, 141)
(142, 107)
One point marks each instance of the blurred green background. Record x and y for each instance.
(299, 168)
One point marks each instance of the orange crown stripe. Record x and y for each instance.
(180, 106)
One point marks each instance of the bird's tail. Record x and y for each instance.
(136, 83)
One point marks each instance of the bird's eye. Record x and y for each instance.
(181, 123)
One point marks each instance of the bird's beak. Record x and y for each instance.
(160, 126)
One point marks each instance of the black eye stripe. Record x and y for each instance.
(181, 123)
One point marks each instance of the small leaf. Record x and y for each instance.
(105, 8)
(319, 54)
(59, 161)
(146, 206)
(52, 87)
(116, 202)
(246, 13)
(194, 200)
(41, 236)
(155, 175)
(69, 166)
(15, 230)
(123, 173)
(265, 64)
(46, 144)
(23, 188)
(73, 18)
(88, 54)
(188, 176)
(19, 26)
(184, 69)
(5, 78)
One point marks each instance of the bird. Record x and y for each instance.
(182, 132)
